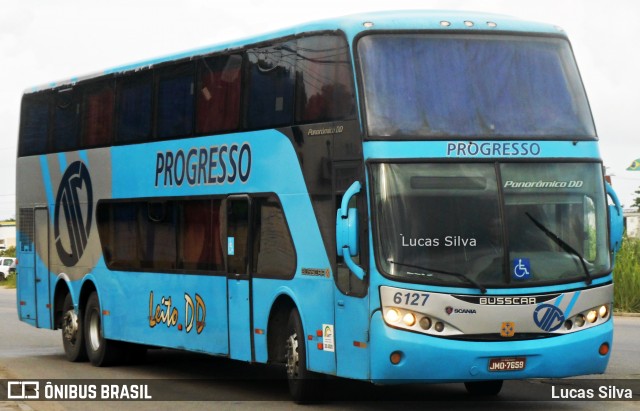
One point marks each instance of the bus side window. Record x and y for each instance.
(175, 108)
(98, 114)
(273, 253)
(271, 75)
(34, 128)
(324, 86)
(135, 108)
(218, 96)
(66, 120)
(200, 247)
(237, 235)
(119, 234)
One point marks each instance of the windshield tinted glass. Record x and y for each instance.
(456, 218)
(426, 85)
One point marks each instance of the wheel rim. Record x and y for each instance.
(94, 331)
(70, 326)
(293, 359)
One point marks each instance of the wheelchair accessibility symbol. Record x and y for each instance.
(521, 269)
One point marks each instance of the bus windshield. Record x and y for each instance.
(480, 86)
(545, 224)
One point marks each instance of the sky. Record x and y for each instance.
(43, 41)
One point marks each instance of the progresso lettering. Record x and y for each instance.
(493, 149)
(222, 164)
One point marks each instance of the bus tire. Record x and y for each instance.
(101, 351)
(72, 328)
(303, 384)
(483, 388)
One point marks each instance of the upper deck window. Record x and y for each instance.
(219, 90)
(66, 120)
(175, 106)
(271, 85)
(34, 124)
(324, 88)
(135, 101)
(99, 107)
(475, 86)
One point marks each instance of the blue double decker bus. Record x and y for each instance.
(391, 197)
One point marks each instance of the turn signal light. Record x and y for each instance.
(395, 357)
(604, 349)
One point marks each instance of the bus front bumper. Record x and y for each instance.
(430, 359)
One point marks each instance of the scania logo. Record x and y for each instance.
(451, 310)
(75, 201)
(548, 317)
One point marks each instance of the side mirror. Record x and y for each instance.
(347, 231)
(616, 221)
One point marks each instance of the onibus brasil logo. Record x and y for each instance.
(73, 213)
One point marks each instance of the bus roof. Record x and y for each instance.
(351, 25)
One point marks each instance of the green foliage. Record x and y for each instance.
(636, 201)
(9, 252)
(626, 289)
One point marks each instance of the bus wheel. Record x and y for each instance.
(484, 388)
(302, 382)
(101, 352)
(72, 332)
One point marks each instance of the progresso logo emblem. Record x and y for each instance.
(548, 317)
(73, 213)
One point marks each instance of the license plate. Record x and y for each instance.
(507, 364)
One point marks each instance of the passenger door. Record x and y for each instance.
(42, 280)
(352, 307)
(239, 277)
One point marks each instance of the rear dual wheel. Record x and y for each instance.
(72, 332)
(101, 351)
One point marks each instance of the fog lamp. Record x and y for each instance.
(425, 323)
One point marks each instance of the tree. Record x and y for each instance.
(9, 252)
(636, 202)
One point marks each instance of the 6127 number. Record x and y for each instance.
(410, 298)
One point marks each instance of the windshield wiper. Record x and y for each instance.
(563, 244)
(476, 284)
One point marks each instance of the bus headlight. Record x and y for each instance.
(409, 319)
(603, 311)
(589, 318)
(392, 316)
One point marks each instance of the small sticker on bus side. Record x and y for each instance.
(327, 338)
(231, 246)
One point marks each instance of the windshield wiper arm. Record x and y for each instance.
(563, 244)
(476, 284)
